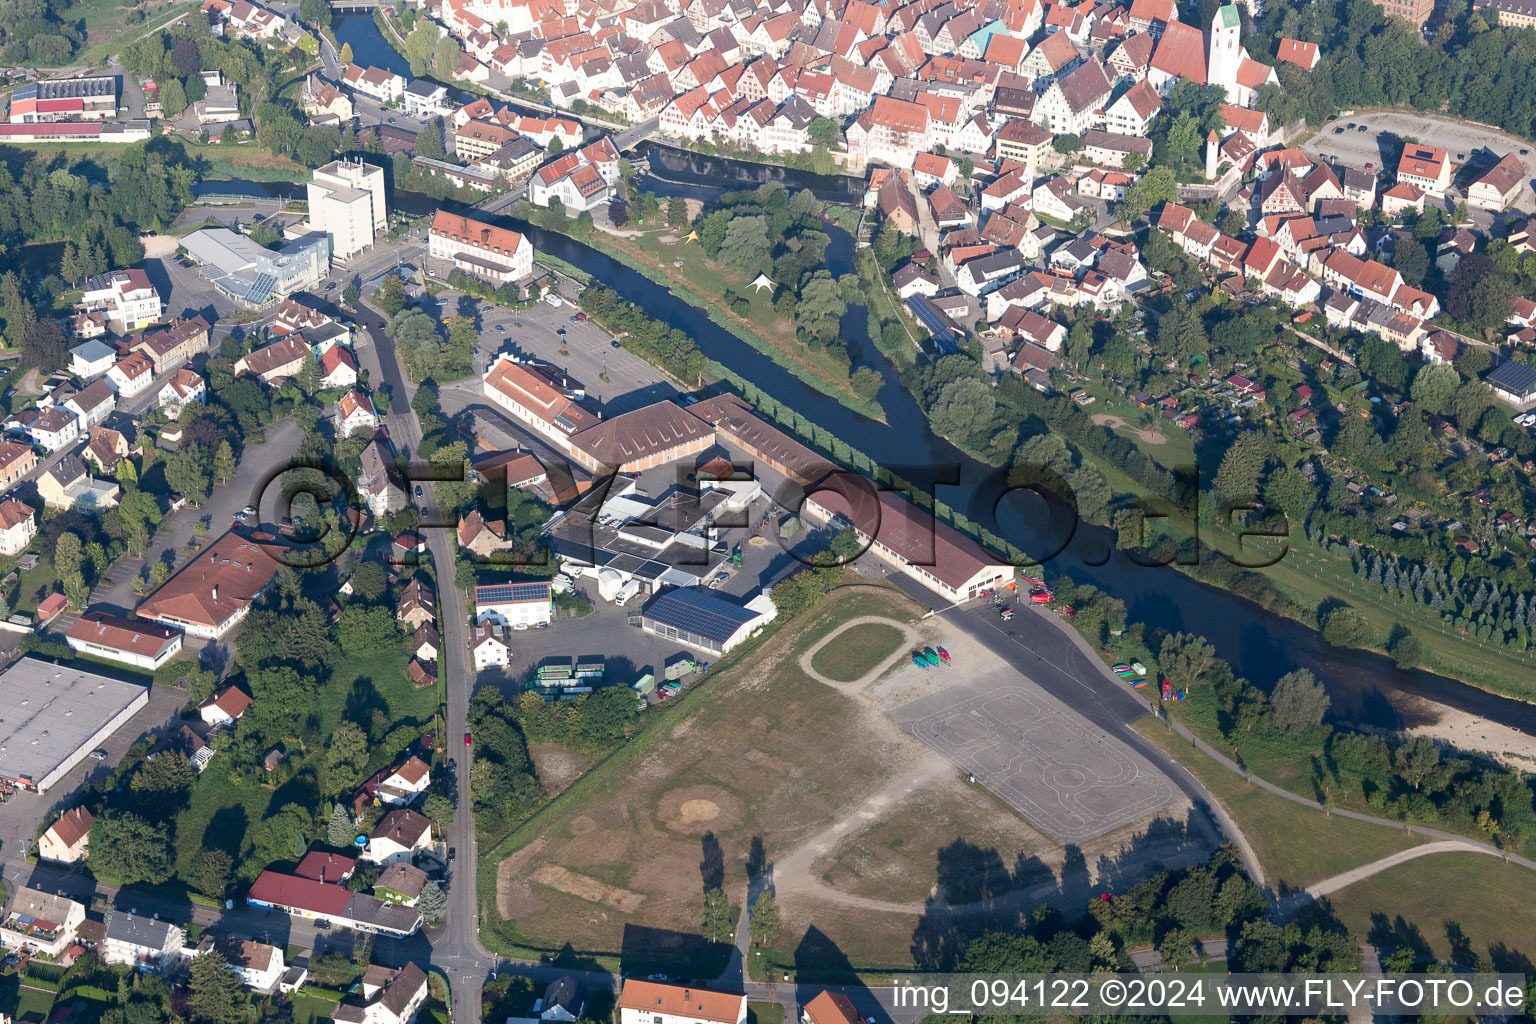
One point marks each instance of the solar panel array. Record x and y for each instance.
(508, 593)
(699, 613)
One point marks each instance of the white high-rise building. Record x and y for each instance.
(346, 203)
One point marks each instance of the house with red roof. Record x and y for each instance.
(1294, 51)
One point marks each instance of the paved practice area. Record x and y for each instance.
(1067, 776)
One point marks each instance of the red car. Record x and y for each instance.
(466, 739)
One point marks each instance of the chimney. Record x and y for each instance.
(215, 591)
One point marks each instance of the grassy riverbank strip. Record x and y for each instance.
(662, 273)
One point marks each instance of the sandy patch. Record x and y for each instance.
(513, 895)
(699, 809)
(1113, 422)
(1471, 733)
(695, 811)
(556, 766)
(159, 246)
(582, 825)
(590, 889)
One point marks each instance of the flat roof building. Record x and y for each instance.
(52, 716)
(253, 275)
(346, 204)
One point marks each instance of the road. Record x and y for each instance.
(455, 944)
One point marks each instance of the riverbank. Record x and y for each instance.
(659, 270)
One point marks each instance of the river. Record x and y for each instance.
(1259, 645)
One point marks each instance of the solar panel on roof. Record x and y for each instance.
(699, 613)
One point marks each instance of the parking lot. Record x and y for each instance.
(590, 353)
(1379, 142)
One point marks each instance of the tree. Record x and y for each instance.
(18, 312)
(1237, 479)
(1175, 949)
(1185, 658)
(275, 837)
(187, 473)
(213, 870)
(185, 58)
(67, 554)
(1184, 135)
(866, 383)
(677, 212)
(1344, 627)
(445, 58)
(349, 294)
(1433, 388)
(1411, 260)
(429, 143)
(1407, 650)
(346, 53)
(719, 917)
(556, 147)
(45, 346)
(217, 997)
(1234, 222)
(432, 904)
(824, 133)
(1067, 144)
(745, 244)
(129, 849)
(362, 629)
(390, 297)
(1156, 186)
(369, 581)
(765, 923)
(962, 409)
(1412, 760)
(440, 809)
(346, 758)
(1298, 702)
(339, 830)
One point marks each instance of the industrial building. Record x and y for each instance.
(699, 618)
(91, 98)
(53, 716)
(252, 275)
(346, 204)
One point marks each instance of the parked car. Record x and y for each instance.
(99, 754)
(1361, 128)
(500, 329)
(466, 739)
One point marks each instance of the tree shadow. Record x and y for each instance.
(226, 830)
(363, 700)
(711, 862)
(1390, 934)
(980, 891)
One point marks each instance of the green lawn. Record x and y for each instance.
(1296, 845)
(1445, 904)
(765, 1013)
(856, 651)
(33, 1004)
(35, 583)
(308, 1009)
(224, 809)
